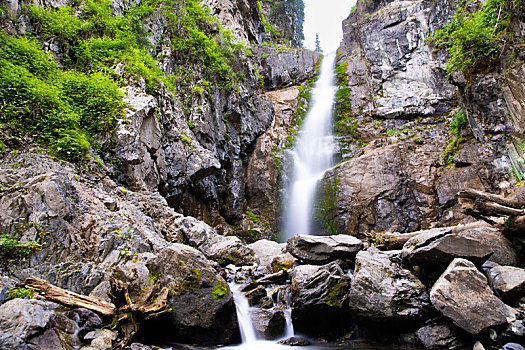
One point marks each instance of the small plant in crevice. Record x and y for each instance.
(457, 124)
(20, 292)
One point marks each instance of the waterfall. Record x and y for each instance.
(248, 334)
(312, 154)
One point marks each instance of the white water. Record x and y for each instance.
(250, 340)
(312, 154)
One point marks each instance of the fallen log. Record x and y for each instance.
(504, 213)
(273, 278)
(69, 298)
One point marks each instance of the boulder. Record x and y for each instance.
(270, 324)
(323, 249)
(254, 296)
(319, 299)
(383, 291)
(6, 284)
(30, 323)
(265, 251)
(440, 337)
(203, 310)
(224, 249)
(462, 294)
(440, 246)
(508, 281)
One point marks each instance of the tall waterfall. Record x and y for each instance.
(312, 154)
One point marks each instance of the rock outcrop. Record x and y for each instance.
(323, 249)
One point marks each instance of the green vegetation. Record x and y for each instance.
(11, 246)
(458, 123)
(289, 15)
(334, 293)
(219, 291)
(63, 104)
(19, 292)
(474, 40)
(326, 205)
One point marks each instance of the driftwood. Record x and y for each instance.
(68, 298)
(504, 213)
(273, 278)
(130, 307)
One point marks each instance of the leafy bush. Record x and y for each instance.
(12, 249)
(19, 292)
(473, 39)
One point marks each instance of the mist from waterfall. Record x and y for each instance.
(312, 154)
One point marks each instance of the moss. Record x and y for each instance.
(219, 291)
(326, 206)
(458, 123)
(282, 265)
(334, 294)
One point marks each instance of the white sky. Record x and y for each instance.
(325, 17)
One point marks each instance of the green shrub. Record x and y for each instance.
(19, 292)
(12, 249)
(473, 39)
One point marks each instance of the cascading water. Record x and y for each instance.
(312, 154)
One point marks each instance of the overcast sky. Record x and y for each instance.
(325, 17)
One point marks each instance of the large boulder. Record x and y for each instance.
(463, 295)
(440, 246)
(265, 251)
(319, 299)
(323, 249)
(203, 310)
(383, 291)
(35, 324)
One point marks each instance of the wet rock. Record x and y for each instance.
(383, 291)
(202, 303)
(440, 336)
(508, 281)
(29, 323)
(463, 295)
(138, 346)
(101, 339)
(323, 249)
(319, 299)
(295, 341)
(440, 246)
(225, 249)
(270, 324)
(517, 328)
(255, 295)
(265, 251)
(512, 346)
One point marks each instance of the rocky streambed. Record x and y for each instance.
(445, 288)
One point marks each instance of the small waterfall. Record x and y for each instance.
(312, 154)
(248, 334)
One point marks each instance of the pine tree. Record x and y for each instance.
(317, 43)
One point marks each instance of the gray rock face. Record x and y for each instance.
(6, 284)
(319, 299)
(288, 67)
(463, 295)
(404, 75)
(203, 306)
(270, 324)
(508, 281)
(441, 246)
(323, 249)
(440, 337)
(382, 291)
(262, 174)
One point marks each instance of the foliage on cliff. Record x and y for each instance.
(288, 17)
(474, 39)
(65, 98)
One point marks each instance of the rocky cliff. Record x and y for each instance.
(403, 158)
